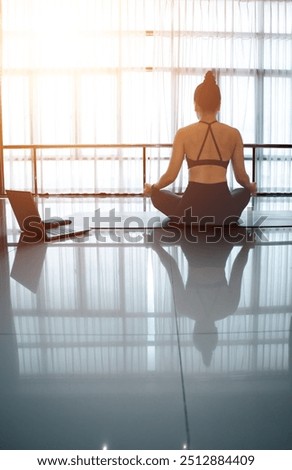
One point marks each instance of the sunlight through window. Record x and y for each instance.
(123, 72)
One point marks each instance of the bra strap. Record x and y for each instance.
(205, 138)
(216, 145)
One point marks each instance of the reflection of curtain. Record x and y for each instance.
(124, 71)
(111, 310)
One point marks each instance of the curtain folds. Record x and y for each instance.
(124, 72)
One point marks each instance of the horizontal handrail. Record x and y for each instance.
(56, 146)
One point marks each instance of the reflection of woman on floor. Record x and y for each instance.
(208, 147)
(207, 296)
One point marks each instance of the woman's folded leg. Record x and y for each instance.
(165, 201)
(240, 198)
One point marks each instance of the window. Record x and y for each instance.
(124, 72)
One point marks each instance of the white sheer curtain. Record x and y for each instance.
(124, 72)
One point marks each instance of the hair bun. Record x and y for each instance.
(207, 95)
(210, 78)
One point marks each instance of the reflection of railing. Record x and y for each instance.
(34, 149)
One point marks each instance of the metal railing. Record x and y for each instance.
(144, 158)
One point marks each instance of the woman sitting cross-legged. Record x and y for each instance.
(208, 147)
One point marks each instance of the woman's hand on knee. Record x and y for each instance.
(253, 188)
(147, 189)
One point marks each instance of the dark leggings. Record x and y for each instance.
(202, 203)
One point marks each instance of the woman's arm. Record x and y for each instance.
(239, 168)
(174, 165)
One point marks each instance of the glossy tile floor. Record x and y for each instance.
(132, 340)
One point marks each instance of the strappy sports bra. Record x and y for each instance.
(208, 161)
